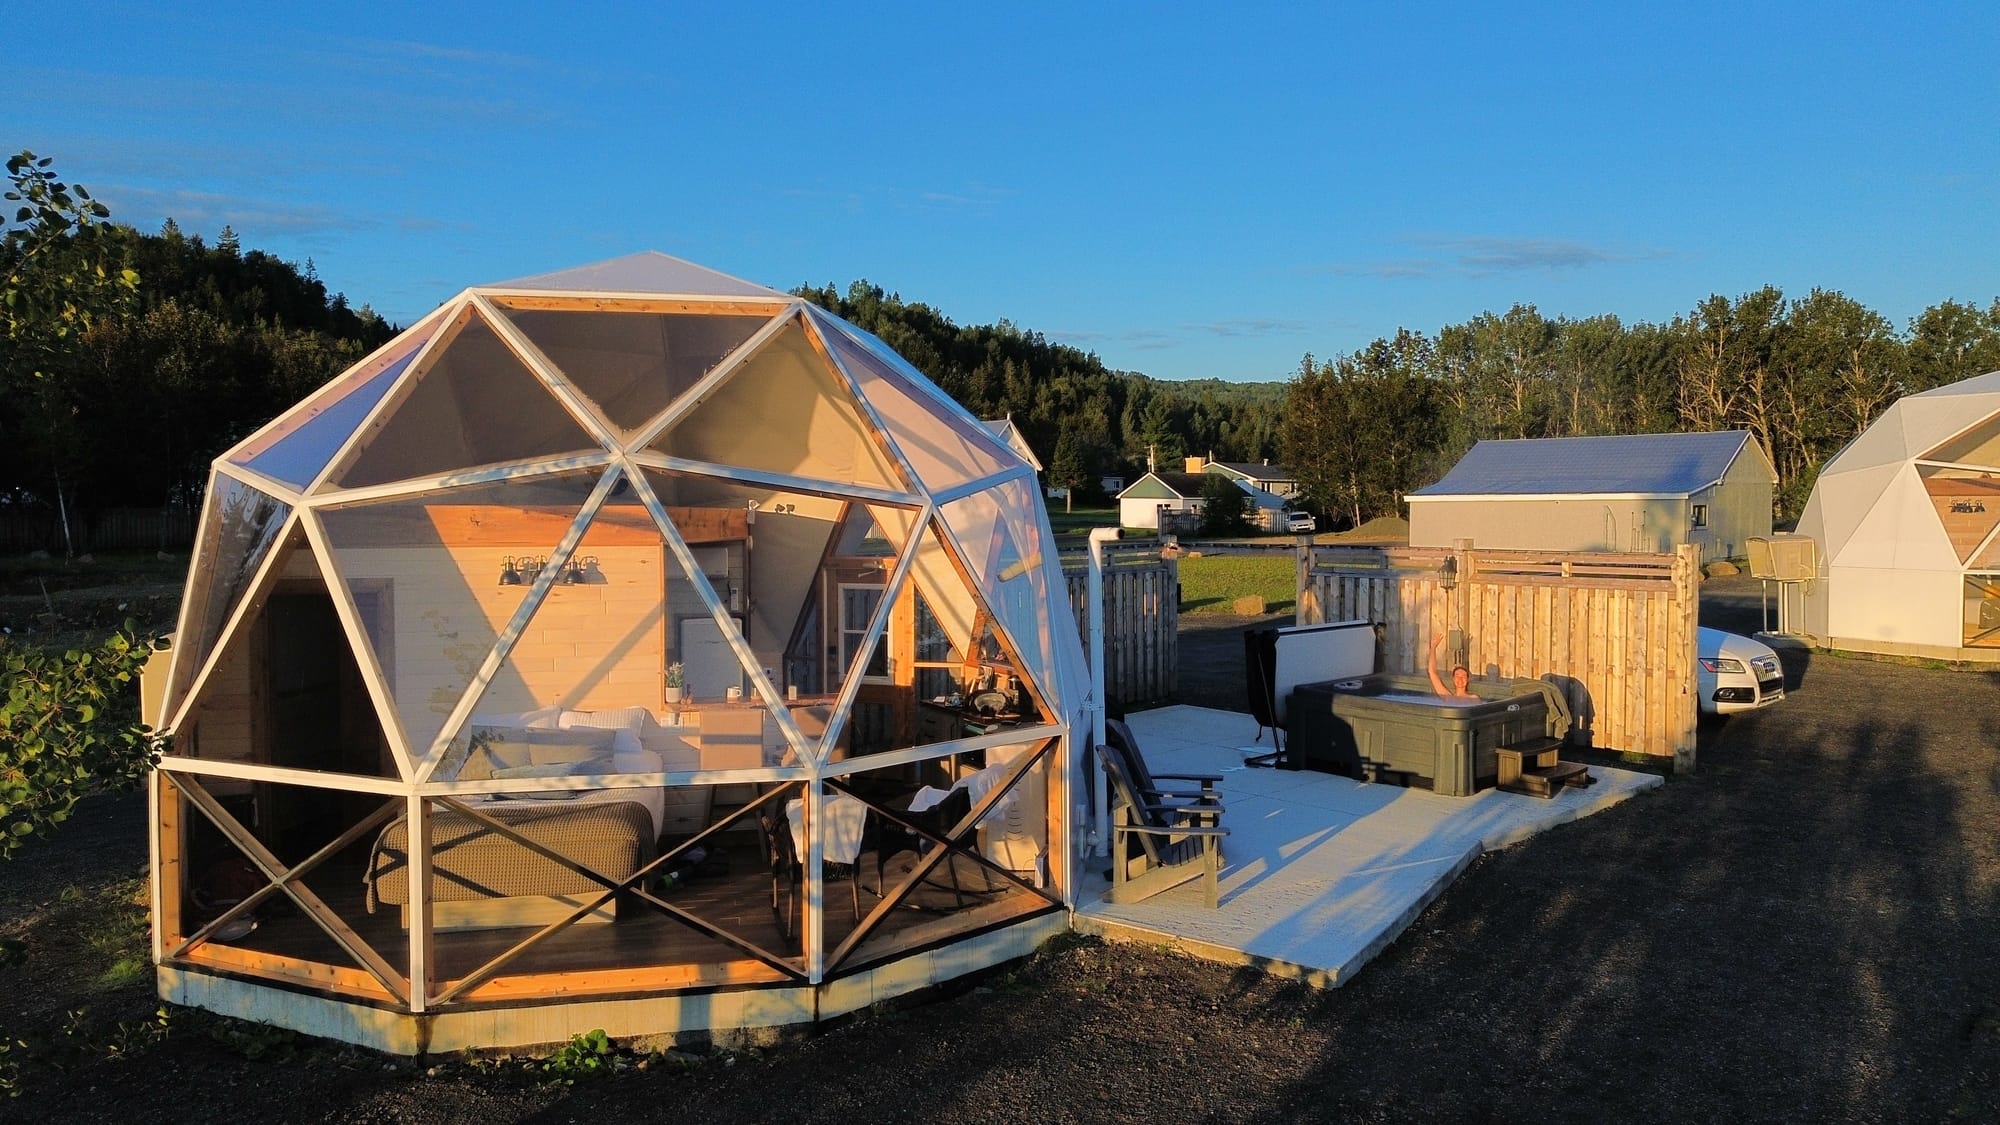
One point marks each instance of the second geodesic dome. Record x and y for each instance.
(537, 502)
(1907, 523)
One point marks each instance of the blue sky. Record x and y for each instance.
(1187, 191)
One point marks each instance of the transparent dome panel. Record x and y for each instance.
(943, 446)
(299, 447)
(784, 410)
(801, 574)
(240, 526)
(445, 573)
(632, 365)
(474, 403)
(287, 688)
(1000, 530)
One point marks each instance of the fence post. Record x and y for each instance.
(1681, 650)
(1305, 601)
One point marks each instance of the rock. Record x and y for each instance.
(1722, 568)
(38, 555)
(1249, 605)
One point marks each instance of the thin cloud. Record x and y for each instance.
(413, 49)
(200, 210)
(1252, 326)
(1489, 255)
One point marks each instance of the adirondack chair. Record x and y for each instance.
(1159, 838)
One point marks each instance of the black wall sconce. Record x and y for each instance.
(521, 570)
(1448, 573)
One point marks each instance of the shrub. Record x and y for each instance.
(68, 728)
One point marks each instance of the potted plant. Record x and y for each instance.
(676, 683)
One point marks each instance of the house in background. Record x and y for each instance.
(1156, 499)
(1638, 492)
(1264, 477)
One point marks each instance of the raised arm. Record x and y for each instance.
(1437, 685)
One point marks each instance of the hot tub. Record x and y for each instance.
(1395, 728)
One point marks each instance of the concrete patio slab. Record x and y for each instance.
(1320, 872)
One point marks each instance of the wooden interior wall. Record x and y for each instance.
(598, 645)
(1617, 631)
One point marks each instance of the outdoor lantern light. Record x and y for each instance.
(1448, 573)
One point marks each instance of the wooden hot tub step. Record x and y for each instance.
(1544, 781)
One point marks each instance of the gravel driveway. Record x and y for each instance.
(1805, 929)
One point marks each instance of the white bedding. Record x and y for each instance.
(526, 745)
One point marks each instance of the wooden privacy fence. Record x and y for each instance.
(1141, 621)
(1616, 632)
(108, 529)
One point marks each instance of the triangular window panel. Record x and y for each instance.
(301, 444)
(1000, 530)
(1979, 445)
(287, 689)
(475, 403)
(631, 366)
(780, 562)
(239, 528)
(1968, 506)
(944, 446)
(445, 573)
(785, 411)
(585, 674)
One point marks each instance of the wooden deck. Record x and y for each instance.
(644, 937)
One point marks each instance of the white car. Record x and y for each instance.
(1736, 673)
(1300, 522)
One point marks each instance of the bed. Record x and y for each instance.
(481, 878)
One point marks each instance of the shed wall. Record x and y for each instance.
(1535, 523)
(1739, 507)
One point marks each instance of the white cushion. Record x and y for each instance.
(543, 719)
(538, 769)
(637, 761)
(626, 718)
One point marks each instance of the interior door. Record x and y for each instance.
(884, 715)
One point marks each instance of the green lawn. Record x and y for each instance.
(1212, 583)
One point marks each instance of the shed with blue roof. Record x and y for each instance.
(1634, 492)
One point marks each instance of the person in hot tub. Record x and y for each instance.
(1461, 676)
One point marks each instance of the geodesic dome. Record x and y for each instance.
(1907, 522)
(638, 495)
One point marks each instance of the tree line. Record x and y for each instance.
(1804, 375)
(1082, 419)
(132, 360)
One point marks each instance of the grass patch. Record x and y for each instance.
(1079, 522)
(1212, 583)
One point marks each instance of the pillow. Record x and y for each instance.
(539, 745)
(624, 718)
(544, 719)
(542, 769)
(538, 769)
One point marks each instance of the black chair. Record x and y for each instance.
(1124, 742)
(1159, 838)
(938, 820)
(788, 871)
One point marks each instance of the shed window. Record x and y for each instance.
(1701, 515)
